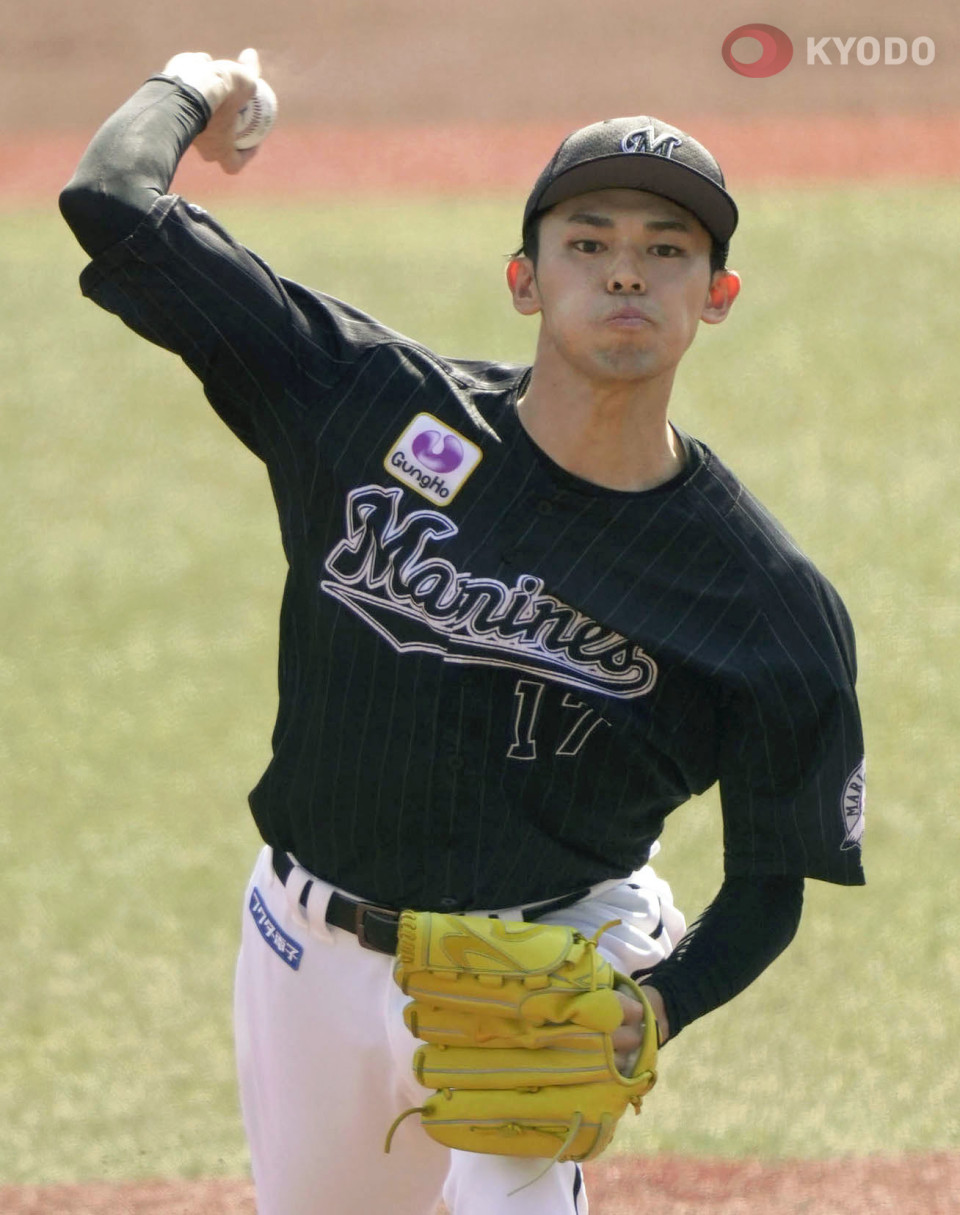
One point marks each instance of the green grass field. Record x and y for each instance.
(141, 584)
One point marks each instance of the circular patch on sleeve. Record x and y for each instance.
(853, 805)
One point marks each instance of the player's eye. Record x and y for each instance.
(587, 246)
(667, 251)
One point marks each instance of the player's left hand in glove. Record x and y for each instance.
(227, 85)
(518, 1019)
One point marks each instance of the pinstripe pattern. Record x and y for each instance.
(499, 701)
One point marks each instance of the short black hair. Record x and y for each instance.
(531, 246)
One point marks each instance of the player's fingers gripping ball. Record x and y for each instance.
(255, 120)
(517, 1019)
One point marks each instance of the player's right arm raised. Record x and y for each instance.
(166, 267)
(133, 157)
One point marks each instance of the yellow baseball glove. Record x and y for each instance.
(517, 1018)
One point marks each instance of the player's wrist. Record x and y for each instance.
(216, 80)
(200, 103)
(659, 1011)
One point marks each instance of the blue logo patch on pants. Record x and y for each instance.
(285, 947)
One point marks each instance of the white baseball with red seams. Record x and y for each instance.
(256, 119)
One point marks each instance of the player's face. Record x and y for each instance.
(622, 281)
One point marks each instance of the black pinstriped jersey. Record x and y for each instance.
(496, 679)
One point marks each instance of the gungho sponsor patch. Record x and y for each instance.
(432, 459)
(853, 806)
(286, 948)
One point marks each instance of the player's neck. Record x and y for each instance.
(615, 435)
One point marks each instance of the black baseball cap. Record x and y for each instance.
(640, 153)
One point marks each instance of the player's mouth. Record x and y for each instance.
(630, 316)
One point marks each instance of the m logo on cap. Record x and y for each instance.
(646, 140)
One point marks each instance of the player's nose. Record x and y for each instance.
(626, 277)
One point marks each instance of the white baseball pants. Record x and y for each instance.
(324, 1062)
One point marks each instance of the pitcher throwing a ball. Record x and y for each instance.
(526, 617)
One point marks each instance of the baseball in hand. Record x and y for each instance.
(256, 118)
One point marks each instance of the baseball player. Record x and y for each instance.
(526, 617)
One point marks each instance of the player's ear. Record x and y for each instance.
(724, 289)
(522, 281)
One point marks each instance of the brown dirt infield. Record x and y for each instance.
(926, 1184)
(474, 159)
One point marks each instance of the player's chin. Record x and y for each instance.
(628, 361)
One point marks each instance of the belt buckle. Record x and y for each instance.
(360, 927)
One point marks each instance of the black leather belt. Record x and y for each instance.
(377, 927)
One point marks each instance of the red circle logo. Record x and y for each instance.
(776, 50)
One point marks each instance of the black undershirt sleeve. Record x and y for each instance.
(749, 923)
(131, 161)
